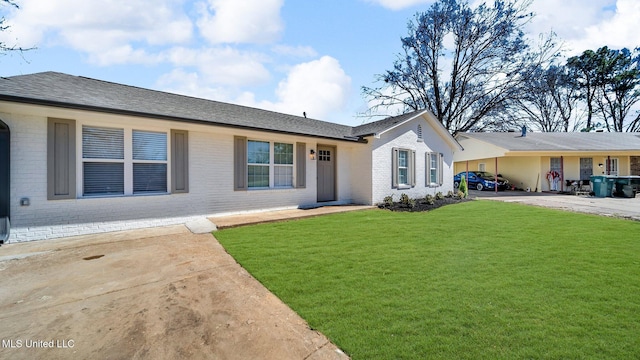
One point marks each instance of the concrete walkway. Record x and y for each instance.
(270, 216)
(614, 207)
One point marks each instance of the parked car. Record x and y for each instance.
(481, 180)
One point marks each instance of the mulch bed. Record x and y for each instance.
(422, 204)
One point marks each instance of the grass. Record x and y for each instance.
(476, 280)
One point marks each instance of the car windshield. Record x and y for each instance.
(484, 174)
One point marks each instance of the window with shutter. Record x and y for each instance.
(403, 168)
(117, 161)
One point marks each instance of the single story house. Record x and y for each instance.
(80, 155)
(531, 161)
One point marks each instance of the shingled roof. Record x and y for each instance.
(559, 141)
(77, 92)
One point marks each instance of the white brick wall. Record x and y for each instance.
(405, 136)
(210, 179)
(363, 174)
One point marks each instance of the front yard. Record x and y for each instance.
(476, 280)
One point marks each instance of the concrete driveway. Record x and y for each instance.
(615, 207)
(160, 293)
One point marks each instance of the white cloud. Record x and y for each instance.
(182, 82)
(247, 21)
(100, 30)
(399, 4)
(318, 87)
(590, 24)
(222, 65)
(297, 51)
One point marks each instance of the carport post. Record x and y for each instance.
(466, 177)
(561, 173)
(495, 183)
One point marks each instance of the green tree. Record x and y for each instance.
(464, 64)
(608, 81)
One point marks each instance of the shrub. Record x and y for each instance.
(404, 199)
(429, 199)
(439, 195)
(460, 194)
(388, 200)
(463, 187)
(450, 194)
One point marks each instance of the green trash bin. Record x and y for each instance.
(602, 185)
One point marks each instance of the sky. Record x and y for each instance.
(290, 56)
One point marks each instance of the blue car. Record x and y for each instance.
(481, 180)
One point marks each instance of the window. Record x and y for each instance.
(283, 169)
(149, 162)
(260, 162)
(612, 168)
(434, 169)
(482, 167)
(114, 161)
(102, 161)
(555, 164)
(105, 166)
(403, 168)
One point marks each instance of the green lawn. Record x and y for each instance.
(476, 280)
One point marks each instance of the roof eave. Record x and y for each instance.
(64, 105)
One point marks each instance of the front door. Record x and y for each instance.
(326, 173)
(586, 168)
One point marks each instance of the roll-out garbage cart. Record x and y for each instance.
(602, 185)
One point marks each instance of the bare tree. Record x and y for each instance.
(464, 64)
(550, 101)
(3, 46)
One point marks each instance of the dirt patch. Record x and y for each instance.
(172, 296)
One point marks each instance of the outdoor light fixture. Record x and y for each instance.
(312, 154)
(600, 165)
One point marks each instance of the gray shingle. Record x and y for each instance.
(557, 141)
(58, 89)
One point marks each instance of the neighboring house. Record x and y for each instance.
(527, 160)
(79, 156)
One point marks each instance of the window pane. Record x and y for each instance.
(149, 178)
(258, 176)
(149, 145)
(283, 176)
(283, 153)
(102, 143)
(433, 168)
(257, 152)
(103, 178)
(402, 158)
(402, 176)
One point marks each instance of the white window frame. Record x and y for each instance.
(405, 168)
(395, 168)
(272, 165)
(614, 166)
(128, 159)
(482, 167)
(430, 181)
